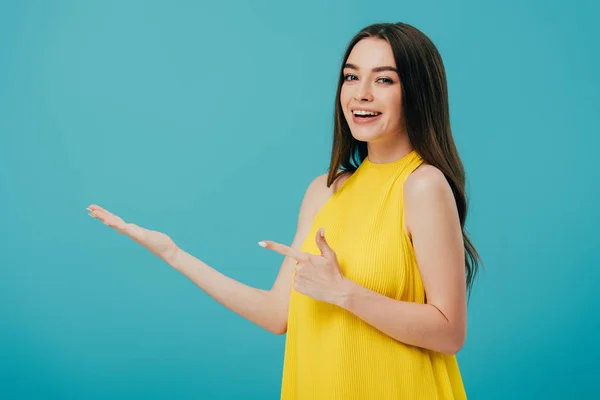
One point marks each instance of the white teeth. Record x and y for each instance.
(361, 112)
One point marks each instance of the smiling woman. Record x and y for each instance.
(361, 114)
(372, 292)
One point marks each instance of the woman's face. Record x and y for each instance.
(371, 95)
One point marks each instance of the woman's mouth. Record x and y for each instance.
(365, 117)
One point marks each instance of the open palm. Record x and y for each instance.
(157, 242)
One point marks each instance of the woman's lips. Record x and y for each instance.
(365, 120)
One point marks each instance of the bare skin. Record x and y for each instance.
(266, 308)
(371, 84)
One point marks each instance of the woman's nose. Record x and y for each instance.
(363, 93)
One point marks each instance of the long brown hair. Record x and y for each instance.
(426, 114)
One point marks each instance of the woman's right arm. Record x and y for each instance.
(266, 308)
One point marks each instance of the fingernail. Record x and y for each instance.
(262, 244)
(322, 232)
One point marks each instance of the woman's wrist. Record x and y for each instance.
(173, 258)
(342, 297)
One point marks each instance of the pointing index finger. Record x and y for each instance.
(285, 250)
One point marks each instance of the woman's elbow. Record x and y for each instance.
(456, 343)
(279, 330)
(278, 326)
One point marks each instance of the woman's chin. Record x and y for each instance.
(365, 135)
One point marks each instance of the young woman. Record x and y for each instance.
(380, 265)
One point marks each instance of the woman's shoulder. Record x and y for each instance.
(426, 193)
(425, 178)
(319, 192)
(339, 181)
(320, 183)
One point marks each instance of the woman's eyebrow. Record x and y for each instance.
(377, 69)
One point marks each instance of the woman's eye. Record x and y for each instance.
(350, 77)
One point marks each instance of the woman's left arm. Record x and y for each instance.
(432, 221)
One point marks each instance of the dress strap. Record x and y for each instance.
(409, 163)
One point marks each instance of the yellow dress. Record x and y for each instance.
(331, 354)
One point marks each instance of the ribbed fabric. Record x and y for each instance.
(331, 354)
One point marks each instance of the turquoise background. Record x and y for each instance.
(207, 120)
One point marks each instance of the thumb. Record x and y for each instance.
(324, 246)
